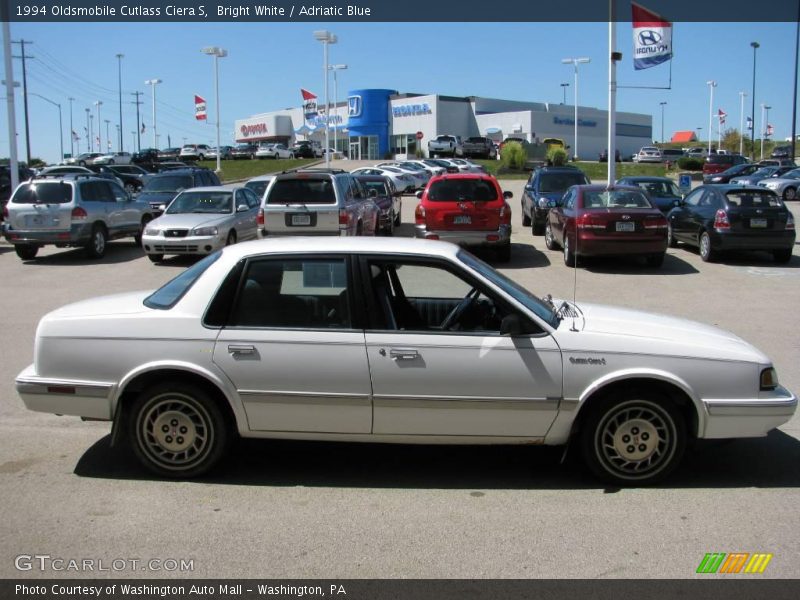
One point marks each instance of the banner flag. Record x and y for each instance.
(199, 108)
(309, 104)
(652, 38)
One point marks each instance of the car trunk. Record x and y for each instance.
(755, 213)
(302, 206)
(41, 206)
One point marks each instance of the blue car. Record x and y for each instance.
(543, 192)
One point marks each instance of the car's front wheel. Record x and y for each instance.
(177, 430)
(783, 255)
(633, 439)
(789, 193)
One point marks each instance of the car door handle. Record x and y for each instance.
(403, 354)
(241, 349)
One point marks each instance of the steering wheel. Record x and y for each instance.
(455, 314)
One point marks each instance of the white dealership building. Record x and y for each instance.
(375, 123)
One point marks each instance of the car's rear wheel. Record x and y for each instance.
(549, 240)
(570, 259)
(130, 188)
(671, 241)
(155, 258)
(633, 439)
(783, 255)
(96, 248)
(707, 253)
(504, 252)
(656, 260)
(26, 251)
(790, 193)
(177, 430)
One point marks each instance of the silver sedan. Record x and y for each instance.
(786, 185)
(202, 220)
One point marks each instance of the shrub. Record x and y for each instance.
(513, 156)
(689, 163)
(557, 157)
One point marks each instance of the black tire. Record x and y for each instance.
(503, 252)
(398, 218)
(783, 255)
(707, 253)
(655, 261)
(82, 163)
(549, 240)
(26, 251)
(98, 241)
(569, 255)
(137, 239)
(389, 228)
(177, 430)
(790, 193)
(537, 228)
(155, 258)
(231, 238)
(359, 229)
(671, 241)
(633, 438)
(111, 162)
(526, 220)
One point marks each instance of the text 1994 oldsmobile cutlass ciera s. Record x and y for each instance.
(392, 340)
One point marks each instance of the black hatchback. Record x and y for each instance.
(716, 218)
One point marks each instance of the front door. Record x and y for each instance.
(291, 350)
(355, 149)
(439, 363)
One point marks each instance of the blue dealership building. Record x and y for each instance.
(375, 124)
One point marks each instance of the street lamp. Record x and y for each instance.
(217, 53)
(335, 68)
(89, 142)
(754, 46)
(327, 38)
(741, 120)
(91, 131)
(108, 137)
(154, 83)
(119, 77)
(98, 104)
(564, 87)
(663, 104)
(575, 62)
(764, 117)
(711, 85)
(60, 125)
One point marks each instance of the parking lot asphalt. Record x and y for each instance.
(301, 509)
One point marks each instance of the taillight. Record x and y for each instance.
(260, 217)
(655, 222)
(419, 215)
(79, 213)
(789, 221)
(344, 219)
(589, 221)
(721, 220)
(5, 212)
(505, 214)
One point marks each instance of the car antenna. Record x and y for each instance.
(575, 279)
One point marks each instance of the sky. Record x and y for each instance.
(268, 63)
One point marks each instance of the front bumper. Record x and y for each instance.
(76, 235)
(157, 244)
(749, 417)
(496, 237)
(89, 399)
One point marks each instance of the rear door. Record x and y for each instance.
(755, 213)
(123, 213)
(455, 204)
(41, 205)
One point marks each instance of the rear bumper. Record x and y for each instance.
(767, 240)
(749, 417)
(263, 233)
(91, 399)
(467, 238)
(76, 235)
(591, 245)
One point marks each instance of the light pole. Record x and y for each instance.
(754, 46)
(335, 68)
(741, 121)
(327, 38)
(663, 104)
(119, 77)
(60, 125)
(564, 87)
(154, 83)
(91, 131)
(88, 132)
(108, 138)
(764, 117)
(217, 53)
(575, 62)
(71, 129)
(711, 85)
(98, 104)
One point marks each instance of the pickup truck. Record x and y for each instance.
(445, 145)
(479, 147)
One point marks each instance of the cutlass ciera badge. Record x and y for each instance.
(587, 361)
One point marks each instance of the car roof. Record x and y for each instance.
(728, 187)
(644, 179)
(447, 176)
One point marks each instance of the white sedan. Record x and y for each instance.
(397, 341)
(274, 151)
(420, 175)
(113, 158)
(402, 180)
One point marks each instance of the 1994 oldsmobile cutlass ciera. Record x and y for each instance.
(392, 340)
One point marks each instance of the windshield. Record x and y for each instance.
(660, 189)
(794, 174)
(765, 172)
(171, 183)
(45, 192)
(168, 295)
(455, 190)
(559, 182)
(202, 202)
(512, 288)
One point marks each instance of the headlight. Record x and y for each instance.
(205, 231)
(151, 231)
(544, 203)
(769, 379)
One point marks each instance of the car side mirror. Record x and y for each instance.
(419, 194)
(508, 195)
(511, 325)
(242, 208)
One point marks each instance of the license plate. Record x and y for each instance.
(758, 223)
(626, 226)
(462, 220)
(301, 219)
(35, 221)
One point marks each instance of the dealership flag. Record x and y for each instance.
(199, 108)
(749, 123)
(652, 38)
(75, 136)
(309, 104)
(769, 130)
(142, 127)
(721, 114)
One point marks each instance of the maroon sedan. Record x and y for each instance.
(595, 220)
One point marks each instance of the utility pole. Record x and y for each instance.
(24, 57)
(71, 130)
(13, 165)
(138, 102)
(119, 74)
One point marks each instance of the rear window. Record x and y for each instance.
(454, 190)
(720, 159)
(302, 191)
(615, 199)
(559, 182)
(753, 199)
(478, 140)
(168, 294)
(45, 192)
(378, 186)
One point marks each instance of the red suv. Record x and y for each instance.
(717, 163)
(468, 209)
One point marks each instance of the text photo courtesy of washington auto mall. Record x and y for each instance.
(420, 300)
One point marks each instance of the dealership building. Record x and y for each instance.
(375, 123)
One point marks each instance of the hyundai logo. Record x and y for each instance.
(649, 37)
(354, 106)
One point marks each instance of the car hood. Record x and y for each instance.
(612, 329)
(157, 197)
(188, 220)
